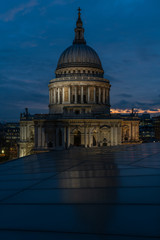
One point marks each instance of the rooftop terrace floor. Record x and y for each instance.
(93, 194)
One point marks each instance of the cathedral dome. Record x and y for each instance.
(79, 55)
(79, 87)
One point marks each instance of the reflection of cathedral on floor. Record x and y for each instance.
(79, 106)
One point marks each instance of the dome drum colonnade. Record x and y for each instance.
(80, 93)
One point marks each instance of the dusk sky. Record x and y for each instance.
(124, 33)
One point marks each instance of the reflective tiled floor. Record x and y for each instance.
(106, 193)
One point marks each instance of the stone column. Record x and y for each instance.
(81, 94)
(39, 136)
(119, 134)
(99, 95)
(99, 138)
(62, 94)
(137, 131)
(58, 95)
(134, 132)
(89, 137)
(116, 135)
(68, 137)
(54, 95)
(88, 94)
(43, 137)
(94, 95)
(111, 135)
(130, 131)
(51, 95)
(69, 94)
(75, 90)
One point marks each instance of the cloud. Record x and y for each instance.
(143, 105)
(31, 105)
(23, 8)
(28, 44)
(125, 95)
(61, 2)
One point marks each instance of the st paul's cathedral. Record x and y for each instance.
(79, 106)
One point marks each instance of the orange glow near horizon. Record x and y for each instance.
(137, 110)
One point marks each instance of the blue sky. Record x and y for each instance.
(125, 34)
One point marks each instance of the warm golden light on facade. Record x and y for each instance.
(138, 110)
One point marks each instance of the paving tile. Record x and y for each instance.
(141, 220)
(12, 185)
(138, 181)
(97, 196)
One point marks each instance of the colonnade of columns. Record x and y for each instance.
(79, 94)
(64, 137)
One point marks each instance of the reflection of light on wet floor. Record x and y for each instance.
(111, 192)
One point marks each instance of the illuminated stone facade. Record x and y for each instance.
(79, 106)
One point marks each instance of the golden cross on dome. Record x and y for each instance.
(79, 11)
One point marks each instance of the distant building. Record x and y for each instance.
(157, 127)
(12, 132)
(146, 128)
(9, 138)
(79, 106)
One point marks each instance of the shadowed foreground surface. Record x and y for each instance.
(106, 193)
